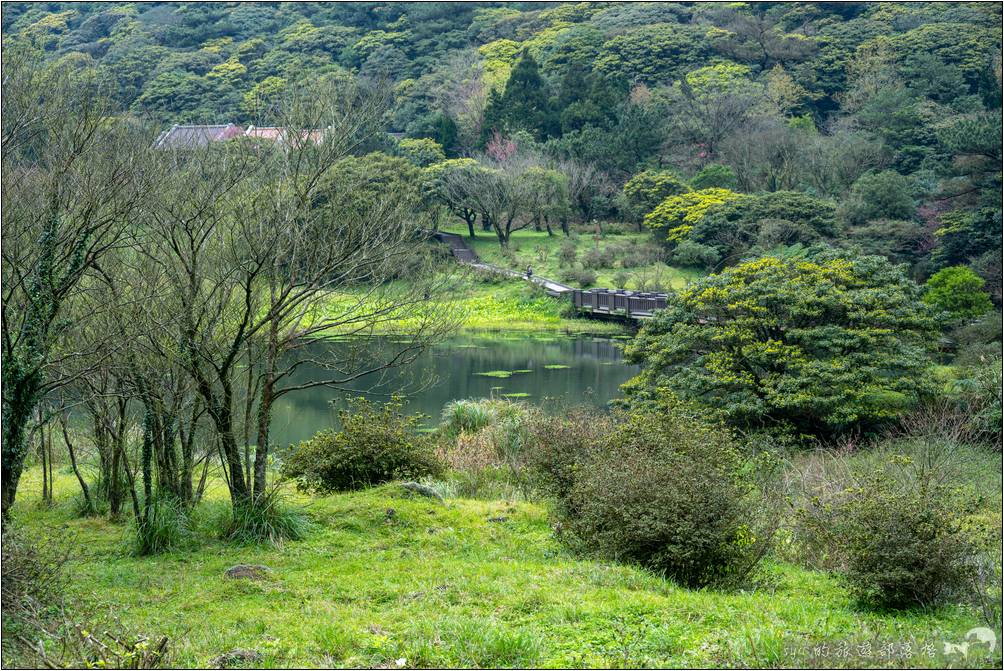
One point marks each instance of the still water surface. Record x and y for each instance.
(545, 370)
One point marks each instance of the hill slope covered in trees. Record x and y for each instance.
(890, 110)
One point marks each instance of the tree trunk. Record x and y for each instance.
(20, 397)
(146, 464)
(119, 461)
(85, 490)
(187, 438)
(48, 454)
(131, 479)
(265, 413)
(45, 469)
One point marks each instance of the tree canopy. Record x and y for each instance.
(819, 344)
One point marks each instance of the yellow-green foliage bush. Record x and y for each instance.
(677, 215)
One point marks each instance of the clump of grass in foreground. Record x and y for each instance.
(165, 527)
(268, 519)
(472, 643)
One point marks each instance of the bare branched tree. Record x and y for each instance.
(71, 182)
(253, 261)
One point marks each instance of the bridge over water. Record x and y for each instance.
(613, 303)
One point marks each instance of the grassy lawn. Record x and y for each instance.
(384, 578)
(505, 305)
(514, 305)
(541, 252)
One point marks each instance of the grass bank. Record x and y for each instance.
(504, 305)
(629, 255)
(385, 580)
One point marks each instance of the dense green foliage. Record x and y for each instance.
(834, 169)
(889, 114)
(821, 344)
(667, 491)
(647, 189)
(900, 527)
(376, 443)
(958, 292)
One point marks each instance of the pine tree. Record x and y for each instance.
(525, 104)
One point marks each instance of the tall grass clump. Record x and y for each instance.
(163, 527)
(486, 445)
(468, 415)
(265, 520)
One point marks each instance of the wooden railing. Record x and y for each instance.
(618, 302)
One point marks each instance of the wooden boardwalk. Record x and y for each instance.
(613, 303)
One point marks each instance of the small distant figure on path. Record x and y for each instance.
(529, 272)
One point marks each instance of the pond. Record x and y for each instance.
(541, 369)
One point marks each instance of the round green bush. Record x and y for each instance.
(666, 490)
(901, 528)
(377, 443)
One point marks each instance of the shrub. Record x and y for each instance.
(979, 401)
(666, 490)
(421, 152)
(978, 341)
(584, 277)
(33, 571)
(879, 195)
(898, 527)
(957, 292)
(651, 279)
(376, 444)
(34, 579)
(649, 188)
(37, 630)
(776, 232)
(714, 176)
(692, 254)
(561, 445)
(831, 344)
(597, 257)
(567, 253)
(635, 254)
